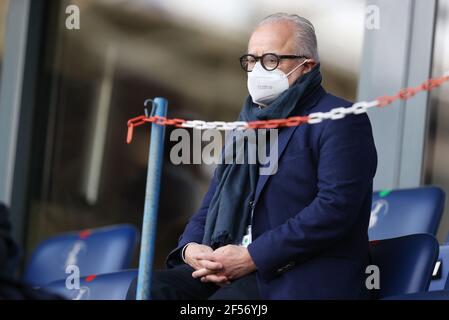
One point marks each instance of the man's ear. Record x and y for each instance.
(308, 66)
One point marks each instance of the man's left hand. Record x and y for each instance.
(236, 262)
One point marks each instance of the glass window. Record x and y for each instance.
(437, 149)
(3, 13)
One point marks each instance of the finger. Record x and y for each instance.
(214, 278)
(211, 265)
(201, 273)
(219, 280)
(204, 256)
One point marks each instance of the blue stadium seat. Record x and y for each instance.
(405, 263)
(112, 286)
(430, 295)
(406, 211)
(94, 251)
(441, 270)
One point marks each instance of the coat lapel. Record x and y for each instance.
(284, 137)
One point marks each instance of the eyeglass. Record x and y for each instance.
(269, 61)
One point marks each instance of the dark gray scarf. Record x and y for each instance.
(229, 211)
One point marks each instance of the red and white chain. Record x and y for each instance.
(317, 117)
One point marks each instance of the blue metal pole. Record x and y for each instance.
(155, 161)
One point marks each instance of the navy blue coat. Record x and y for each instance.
(310, 222)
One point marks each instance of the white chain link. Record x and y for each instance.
(217, 125)
(339, 113)
(316, 117)
(363, 106)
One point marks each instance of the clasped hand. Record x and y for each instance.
(221, 266)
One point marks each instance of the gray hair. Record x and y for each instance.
(306, 43)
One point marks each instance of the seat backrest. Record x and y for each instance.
(407, 211)
(94, 251)
(441, 270)
(405, 263)
(110, 286)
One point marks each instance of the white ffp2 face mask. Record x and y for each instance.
(264, 86)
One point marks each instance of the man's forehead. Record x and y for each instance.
(277, 37)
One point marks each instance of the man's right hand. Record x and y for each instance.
(194, 248)
(209, 267)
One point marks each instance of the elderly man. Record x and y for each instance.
(302, 232)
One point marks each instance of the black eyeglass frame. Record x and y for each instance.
(257, 58)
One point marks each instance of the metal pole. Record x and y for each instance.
(155, 161)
